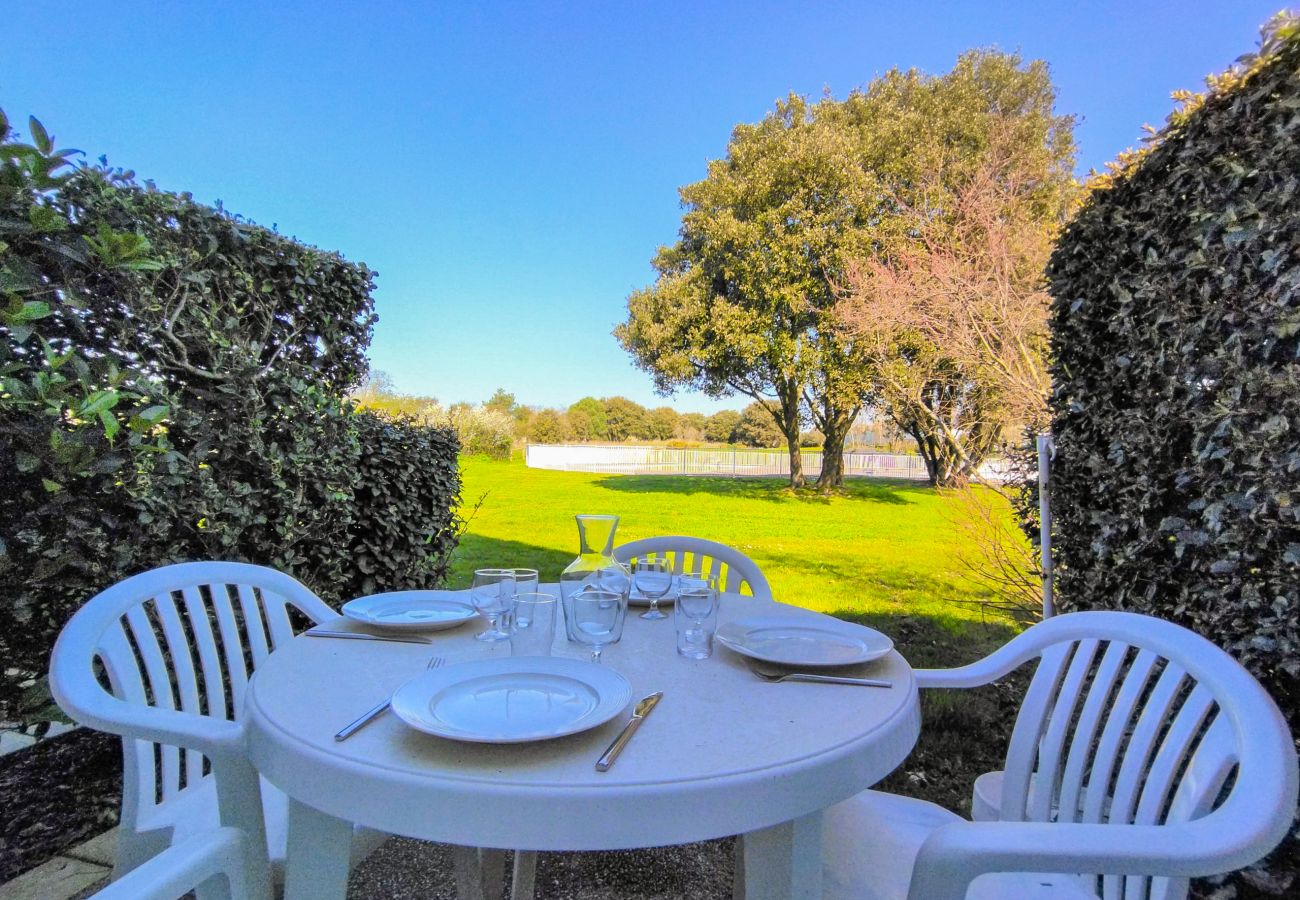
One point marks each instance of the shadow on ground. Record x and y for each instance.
(775, 490)
(477, 551)
(964, 733)
(407, 868)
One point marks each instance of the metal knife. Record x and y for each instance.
(643, 709)
(358, 636)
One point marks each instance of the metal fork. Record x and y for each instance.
(370, 715)
(776, 677)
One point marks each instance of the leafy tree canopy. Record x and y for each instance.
(744, 301)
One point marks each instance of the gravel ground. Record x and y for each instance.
(405, 868)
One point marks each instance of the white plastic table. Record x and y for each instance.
(723, 754)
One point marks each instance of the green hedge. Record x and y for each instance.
(174, 384)
(1176, 331)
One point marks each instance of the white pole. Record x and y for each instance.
(1046, 450)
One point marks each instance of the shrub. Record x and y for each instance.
(1176, 318)
(404, 528)
(482, 429)
(173, 382)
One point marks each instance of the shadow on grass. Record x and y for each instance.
(479, 552)
(774, 490)
(964, 733)
(890, 584)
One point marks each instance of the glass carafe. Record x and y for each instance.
(594, 567)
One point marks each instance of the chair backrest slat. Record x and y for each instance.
(1023, 751)
(1175, 751)
(232, 643)
(178, 654)
(1137, 755)
(1052, 745)
(158, 677)
(735, 571)
(187, 682)
(1118, 720)
(214, 686)
(1085, 731)
(254, 625)
(276, 611)
(125, 681)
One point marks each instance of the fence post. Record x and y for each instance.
(1046, 450)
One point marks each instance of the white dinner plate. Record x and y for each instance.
(804, 641)
(412, 610)
(509, 700)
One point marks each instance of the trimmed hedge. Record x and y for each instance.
(1176, 410)
(174, 383)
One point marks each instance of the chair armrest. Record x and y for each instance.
(214, 738)
(1006, 658)
(956, 854)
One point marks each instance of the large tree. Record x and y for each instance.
(748, 300)
(951, 308)
(743, 301)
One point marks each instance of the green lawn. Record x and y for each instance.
(882, 548)
(884, 554)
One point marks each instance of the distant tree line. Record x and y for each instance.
(494, 426)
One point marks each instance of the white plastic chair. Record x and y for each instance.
(1153, 757)
(733, 569)
(177, 646)
(215, 864)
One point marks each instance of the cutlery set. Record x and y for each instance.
(642, 710)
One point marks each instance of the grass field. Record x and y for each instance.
(882, 547)
(885, 554)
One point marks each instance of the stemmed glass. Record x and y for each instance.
(598, 618)
(653, 579)
(492, 594)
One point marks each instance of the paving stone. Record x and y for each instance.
(14, 740)
(99, 850)
(59, 879)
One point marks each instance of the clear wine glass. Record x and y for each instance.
(598, 618)
(492, 595)
(653, 579)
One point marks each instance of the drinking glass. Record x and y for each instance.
(695, 616)
(493, 594)
(525, 581)
(598, 618)
(653, 578)
(532, 624)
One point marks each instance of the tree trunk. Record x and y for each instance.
(788, 422)
(834, 422)
(942, 463)
(796, 460)
(832, 475)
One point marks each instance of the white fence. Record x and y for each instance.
(675, 461)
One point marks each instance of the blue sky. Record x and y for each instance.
(509, 169)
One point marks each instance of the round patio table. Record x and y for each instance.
(724, 753)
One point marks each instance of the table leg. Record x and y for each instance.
(784, 862)
(494, 872)
(524, 875)
(316, 863)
